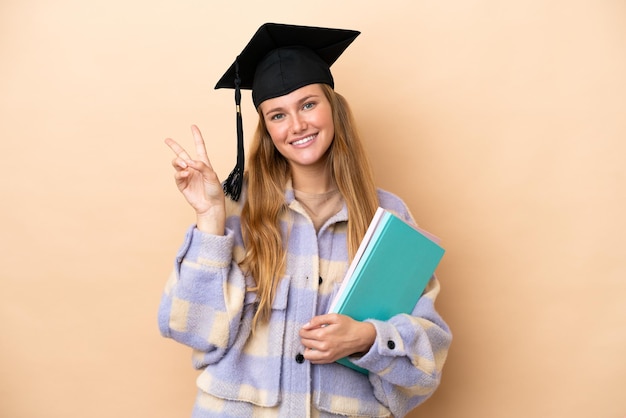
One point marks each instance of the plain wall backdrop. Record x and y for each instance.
(501, 124)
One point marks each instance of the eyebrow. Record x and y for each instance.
(300, 102)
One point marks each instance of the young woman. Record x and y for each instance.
(255, 276)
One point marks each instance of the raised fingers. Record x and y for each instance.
(200, 146)
(178, 150)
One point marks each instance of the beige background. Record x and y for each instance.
(502, 125)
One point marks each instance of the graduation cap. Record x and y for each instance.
(276, 61)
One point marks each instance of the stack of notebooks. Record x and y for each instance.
(389, 272)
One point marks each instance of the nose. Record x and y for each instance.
(298, 124)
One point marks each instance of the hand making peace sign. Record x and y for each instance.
(198, 182)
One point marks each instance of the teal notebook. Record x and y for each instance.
(390, 270)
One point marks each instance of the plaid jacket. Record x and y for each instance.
(205, 306)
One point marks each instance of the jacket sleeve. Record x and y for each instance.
(407, 358)
(203, 299)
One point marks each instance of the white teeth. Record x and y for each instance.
(303, 140)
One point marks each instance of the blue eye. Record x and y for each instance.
(277, 116)
(308, 105)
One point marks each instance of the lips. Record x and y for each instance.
(304, 140)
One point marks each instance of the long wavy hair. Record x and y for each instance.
(267, 175)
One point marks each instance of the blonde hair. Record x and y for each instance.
(267, 175)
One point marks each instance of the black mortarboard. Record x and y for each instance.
(278, 60)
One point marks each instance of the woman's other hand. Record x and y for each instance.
(329, 337)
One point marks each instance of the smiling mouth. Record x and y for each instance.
(304, 140)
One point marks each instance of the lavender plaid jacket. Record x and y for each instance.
(205, 306)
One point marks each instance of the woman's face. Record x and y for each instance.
(301, 125)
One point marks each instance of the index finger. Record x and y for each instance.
(320, 321)
(200, 146)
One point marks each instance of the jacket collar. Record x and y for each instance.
(293, 204)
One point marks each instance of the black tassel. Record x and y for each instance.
(233, 184)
